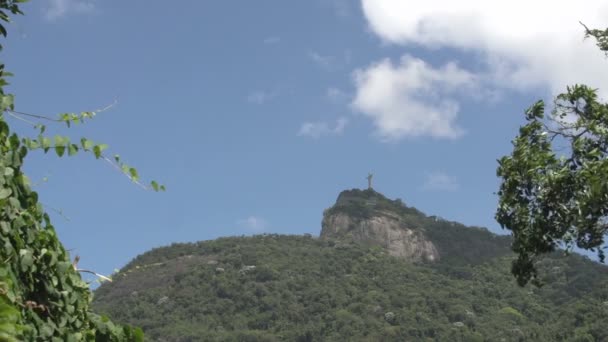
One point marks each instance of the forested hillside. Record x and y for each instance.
(301, 288)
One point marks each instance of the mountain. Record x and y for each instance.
(380, 271)
(368, 218)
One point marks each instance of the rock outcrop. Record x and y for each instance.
(367, 217)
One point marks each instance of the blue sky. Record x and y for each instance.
(255, 115)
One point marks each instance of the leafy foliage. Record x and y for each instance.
(42, 295)
(307, 289)
(601, 37)
(554, 190)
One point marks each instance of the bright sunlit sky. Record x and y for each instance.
(256, 114)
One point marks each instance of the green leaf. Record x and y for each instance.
(27, 259)
(60, 143)
(65, 117)
(86, 144)
(72, 149)
(5, 227)
(60, 150)
(133, 173)
(97, 151)
(31, 144)
(6, 102)
(25, 179)
(5, 192)
(157, 187)
(41, 128)
(46, 143)
(138, 335)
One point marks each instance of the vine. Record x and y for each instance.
(42, 295)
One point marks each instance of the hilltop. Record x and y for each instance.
(369, 218)
(351, 286)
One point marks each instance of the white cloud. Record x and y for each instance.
(272, 40)
(254, 224)
(261, 96)
(518, 45)
(440, 181)
(524, 45)
(318, 129)
(61, 8)
(412, 99)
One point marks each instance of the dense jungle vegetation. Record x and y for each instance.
(301, 288)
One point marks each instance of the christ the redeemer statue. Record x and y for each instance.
(369, 180)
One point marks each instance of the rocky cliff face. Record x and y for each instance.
(369, 218)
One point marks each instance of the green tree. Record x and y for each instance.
(554, 190)
(42, 295)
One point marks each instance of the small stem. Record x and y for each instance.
(121, 171)
(95, 273)
(20, 118)
(56, 211)
(48, 118)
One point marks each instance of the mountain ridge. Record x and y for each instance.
(453, 240)
(301, 288)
